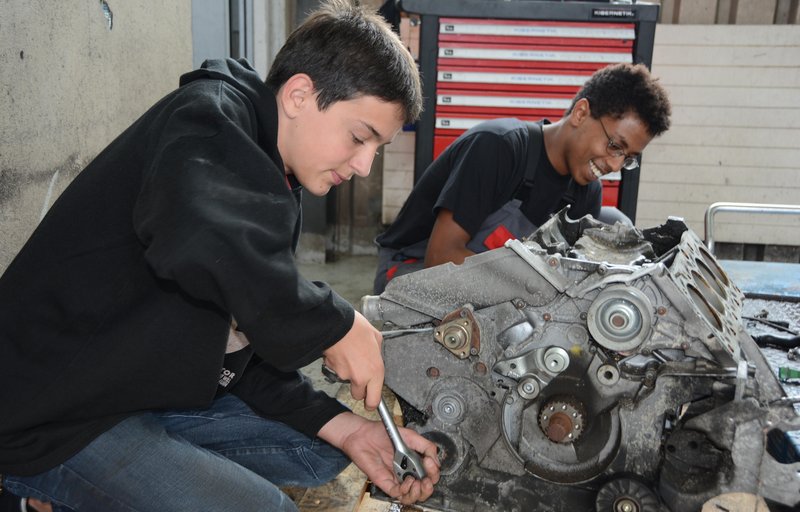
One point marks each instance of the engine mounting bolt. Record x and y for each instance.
(553, 262)
(547, 317)
(584, 316)
(662, 310)
(433, 372)
(601, 269)
(480, 368)
(509, 399)
(473, 351)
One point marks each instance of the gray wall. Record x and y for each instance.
(70, 82)
(735, 135)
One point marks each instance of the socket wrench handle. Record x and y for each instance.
(406, 461)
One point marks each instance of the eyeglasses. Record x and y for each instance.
(615, 150)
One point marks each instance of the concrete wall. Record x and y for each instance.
(735, 132)
(73, 75)
(398, 161)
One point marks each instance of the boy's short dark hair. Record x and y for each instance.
(350, 51)
(621, 88)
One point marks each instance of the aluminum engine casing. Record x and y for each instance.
(582, 367)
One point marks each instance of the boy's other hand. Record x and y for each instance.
(369, 447)
(357, 358)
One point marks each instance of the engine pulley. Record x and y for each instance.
(620, 318)
(626, 495)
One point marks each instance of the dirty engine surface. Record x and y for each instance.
(588, 368)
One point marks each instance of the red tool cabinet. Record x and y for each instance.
(482, 59)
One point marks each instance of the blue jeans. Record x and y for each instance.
(226, 458)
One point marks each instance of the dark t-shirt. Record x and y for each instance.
(480, 172)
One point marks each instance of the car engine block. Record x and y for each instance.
(588, 367)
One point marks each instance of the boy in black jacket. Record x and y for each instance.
(154, 323)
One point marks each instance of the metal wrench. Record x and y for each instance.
(406, 461)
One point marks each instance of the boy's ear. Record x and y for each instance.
(580, 112)
(296, 94)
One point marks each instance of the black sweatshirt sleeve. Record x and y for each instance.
(217, 217)
(287, 397)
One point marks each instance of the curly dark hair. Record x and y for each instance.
(350, 51)
(621, 88)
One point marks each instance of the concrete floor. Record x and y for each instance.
(351, 277)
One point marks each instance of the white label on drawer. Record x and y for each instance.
(502, 101)
(536, 31)
(456, 123)
(543, 55)
(511, 78)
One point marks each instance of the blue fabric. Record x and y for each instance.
(225, 458)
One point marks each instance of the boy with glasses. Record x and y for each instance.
(505, 177)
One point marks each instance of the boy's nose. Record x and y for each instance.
(362, 161)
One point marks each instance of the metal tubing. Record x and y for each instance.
(712, 210)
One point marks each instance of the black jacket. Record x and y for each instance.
(122, 298)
